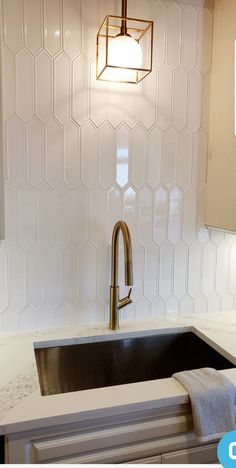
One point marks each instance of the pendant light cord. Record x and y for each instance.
(124, 15)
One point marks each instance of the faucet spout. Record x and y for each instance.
(115, 302)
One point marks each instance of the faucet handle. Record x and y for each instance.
(125, 300)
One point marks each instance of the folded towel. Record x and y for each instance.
(212, 397)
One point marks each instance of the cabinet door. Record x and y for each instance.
(221, 178)
(199, 455)
(146, 461)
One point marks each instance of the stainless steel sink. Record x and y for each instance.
(88, 365)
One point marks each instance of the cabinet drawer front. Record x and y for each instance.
(198, 455)
(79, 443)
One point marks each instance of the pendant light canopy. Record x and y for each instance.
(124, 48)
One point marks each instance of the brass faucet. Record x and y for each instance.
(115, 302)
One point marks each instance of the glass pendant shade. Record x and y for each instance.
(124, 49)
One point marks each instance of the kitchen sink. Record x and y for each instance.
(107, 361)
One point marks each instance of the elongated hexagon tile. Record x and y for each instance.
(96, 312)
(143, 310)
(175, 218)
(195, 270)
(80, 218)
(114, 210)
(17, 279)
(71, 153)
(35, 152)
(160, 216)
(104, 272)
(131, 104)
(200, 304)
(122, 156)
(189, 37)
(114, 103)
(54, 158)
(148, 100)
(52, 26)
(45, 216)
(138, 270)
(98, 97)
(180, 270)
(3, 281)
(87, 280)
(80, 96)
(63, 215)
(217, 236)
(145, 215)
(13, 24)
(186, 305)
(194, 107)
(8, 82)
(179, 109)
(11, 213)
(164, 98)
(127, 313)
(222, 268)
(35, 276)
(138, 150)
(172, 307)
(189, 215)
(130, 211)
(26, 216)
(79, 314)
(9, 320)
(158, 308)
(174, 19)
(24, 85)
(213, 303)
(27, 319)
(70, 274)
(15, 151)
(151, 272)
(53, 277)
(208, 268)
(45, 317)
(154, 157)
(169, 158)
(158, 15)
(166, 270)
(227, 302)
(206, 90)
(89, 155)
(204, 40)
(107, 155)
(72, 27)
(43, 86)
(33, 25)
(200, 148)
(90, 26)
(184, 159)
(62, 315)
(62, 88)
(97, 219)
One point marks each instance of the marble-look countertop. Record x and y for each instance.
(23, 408)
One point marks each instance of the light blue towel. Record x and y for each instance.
(212, 397)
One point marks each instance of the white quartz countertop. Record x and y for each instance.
(23, 408)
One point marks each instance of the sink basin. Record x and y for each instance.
(88, 365)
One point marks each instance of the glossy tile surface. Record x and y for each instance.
(81, 154)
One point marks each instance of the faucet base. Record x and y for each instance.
(114, 300)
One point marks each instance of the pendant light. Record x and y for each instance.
(124, 48)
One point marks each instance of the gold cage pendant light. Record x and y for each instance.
(124, 48)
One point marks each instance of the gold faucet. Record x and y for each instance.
(115, 302)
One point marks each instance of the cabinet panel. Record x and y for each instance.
(221, 189)
(198, 455)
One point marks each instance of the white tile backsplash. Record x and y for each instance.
(80, 154)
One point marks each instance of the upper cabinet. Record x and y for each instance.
(221, 183)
